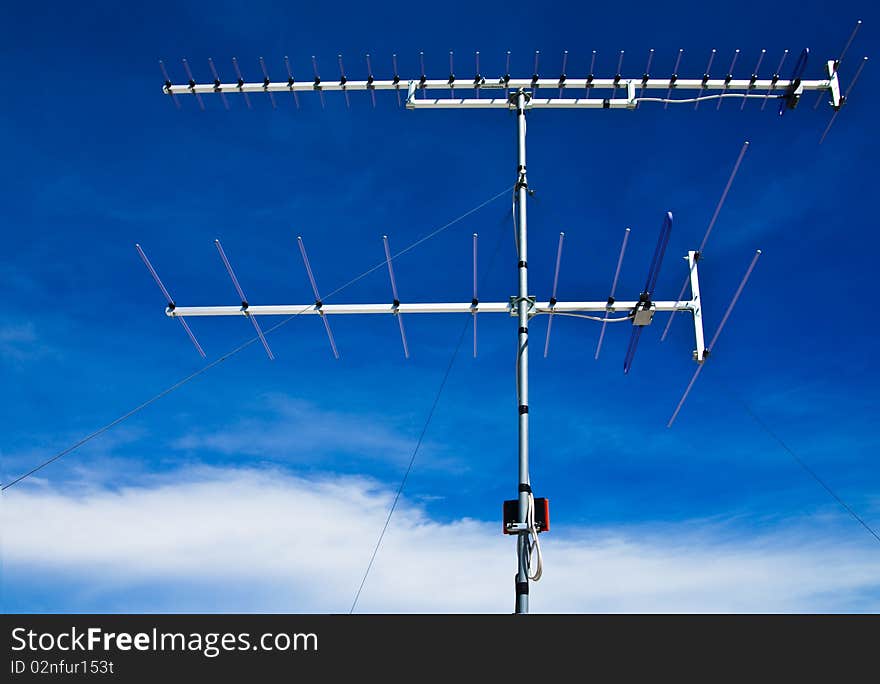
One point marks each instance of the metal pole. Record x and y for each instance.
(522, 365)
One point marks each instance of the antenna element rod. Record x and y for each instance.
(396, 298)
(553, 297)
(723, 197)
(244, 302)
(170, 301)
(613, 288)
(318, 302)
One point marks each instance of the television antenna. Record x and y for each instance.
(522, 95)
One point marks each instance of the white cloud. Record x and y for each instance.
(269, 541)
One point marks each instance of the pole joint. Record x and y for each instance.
(531, 304)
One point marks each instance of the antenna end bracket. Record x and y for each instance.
(411, 94)
(837, 100)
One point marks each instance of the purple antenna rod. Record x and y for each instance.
(659, 252)
(613, 289)
(475, 300)
(553, 296)
(247, 100)
(317, 80)
(631, 348)
(562, 73)
(650, 283)
(167, 83)
(674, 77)
(169, 300)
(845, 95)
(706, 73)
(318, 303)
(217, 84)
(396, 76)
(396, 302)
(370, 80)
(244, 302)
(591, 74)
(478, 77)
(755, 76)
(717, 211)
(715, 336)
(729, 76)
(647, 73)
(266, 82)
(290, 81)
(774, 78)
(343, 80)
(192, 84)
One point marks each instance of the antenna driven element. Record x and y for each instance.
(714, 218)
(244, 301)
(843, 99)
(169, 300)
(657, 260)
(553, 297)
(631, 348)
(396, 303)
(644, 310)
(318, 303)
(835, 65)
(696, 306)
(715, 336)
(610, 307)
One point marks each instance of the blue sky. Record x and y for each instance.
(97, 159)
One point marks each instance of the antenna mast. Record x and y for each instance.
(522, 358)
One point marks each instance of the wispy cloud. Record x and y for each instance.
(270, 541)
(292, 430)
(19, 342)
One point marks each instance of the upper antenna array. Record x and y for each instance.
(616, 91)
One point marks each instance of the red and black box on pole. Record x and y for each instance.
(542, 515)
